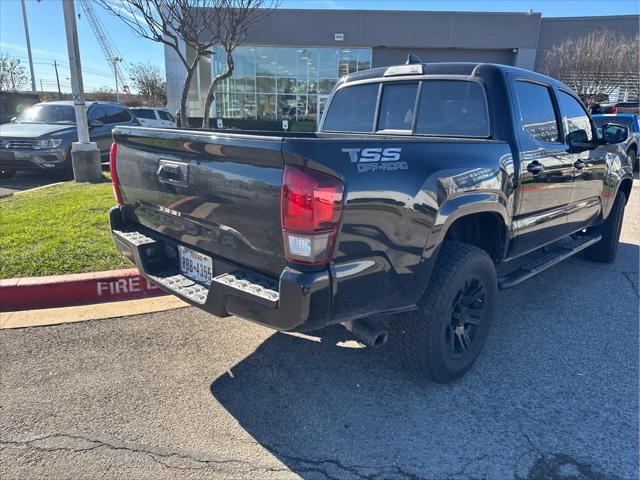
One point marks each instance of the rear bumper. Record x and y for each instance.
(297, 301)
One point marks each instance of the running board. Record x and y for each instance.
(549, 260)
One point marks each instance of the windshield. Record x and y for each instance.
(626, 121)
(51, 114)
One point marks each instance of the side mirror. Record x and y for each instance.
(578, 141)
(614, 133)
(96, 123)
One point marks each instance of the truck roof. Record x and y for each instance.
(449, 68)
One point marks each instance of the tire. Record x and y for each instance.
(605, 250)
(66, 172)
(7, 173)
(426, 339)
(633, 154)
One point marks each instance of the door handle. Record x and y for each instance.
(535, 167)
(579, 164)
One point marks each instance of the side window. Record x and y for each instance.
(165, 116)
(146, 113)
(117, 115)
(575, 118)
(397, 106)
(98, 113)
(352, 109)
(536, 111)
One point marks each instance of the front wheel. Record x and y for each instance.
(444, 337)
(606, 249)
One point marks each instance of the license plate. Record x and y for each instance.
(196, 266)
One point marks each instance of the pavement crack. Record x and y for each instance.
(627, 275)
(167, 459)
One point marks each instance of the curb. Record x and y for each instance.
(77, 289)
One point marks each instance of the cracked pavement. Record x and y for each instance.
(181, 394)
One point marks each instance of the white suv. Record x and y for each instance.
(153, 117)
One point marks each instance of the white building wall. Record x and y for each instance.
(175, 72)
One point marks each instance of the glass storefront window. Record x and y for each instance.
(266, 107)
(266, 61)
(275, 83)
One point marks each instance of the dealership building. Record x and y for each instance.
(291, 59)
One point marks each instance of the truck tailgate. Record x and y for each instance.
(218, 193)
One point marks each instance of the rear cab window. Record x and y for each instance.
(455, 108)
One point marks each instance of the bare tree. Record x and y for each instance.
(172, 23)
(593, 65)
(231, 20)
(102, 94)
(13, 76)
(150, 83)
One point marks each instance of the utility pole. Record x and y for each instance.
(84, 153)
(55, 65)
(41, 90)
(26, 33)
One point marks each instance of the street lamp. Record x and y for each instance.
(115, 60)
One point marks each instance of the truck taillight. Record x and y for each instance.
(114, 173)
(614, 109)
(310, 208)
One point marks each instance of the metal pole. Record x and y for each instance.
(85, 155)
(26, 33)
(77, 89)
(55, 65)
(115, 72)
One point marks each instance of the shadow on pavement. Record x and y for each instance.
(27, 180)
(554, 392)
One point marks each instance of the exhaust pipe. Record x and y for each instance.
(369, 332)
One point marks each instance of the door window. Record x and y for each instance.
(99, 113)
(574, 117)
(165, 116)
(117, 115)
(146, 113)
(537, 114)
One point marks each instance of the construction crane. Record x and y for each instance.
(105, 44)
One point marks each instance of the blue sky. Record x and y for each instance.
(48, 41)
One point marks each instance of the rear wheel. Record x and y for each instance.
(605, 250)
(445, 336)
(7, 173)
(633, 155)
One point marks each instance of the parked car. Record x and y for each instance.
(422, 181)
(631, 145)
(154, 117)
(617, 107)
(40, 138)
(13, 104)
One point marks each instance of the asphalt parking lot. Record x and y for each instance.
(181, 394)
(25, 181)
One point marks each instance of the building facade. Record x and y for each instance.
(291, 60)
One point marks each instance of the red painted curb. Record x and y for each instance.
(77, 289)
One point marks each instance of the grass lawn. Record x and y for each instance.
(56, 230)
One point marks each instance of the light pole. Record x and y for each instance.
(84, 153)
(26, 34)
(115, 61)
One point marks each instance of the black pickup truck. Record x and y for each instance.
(427, 188)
